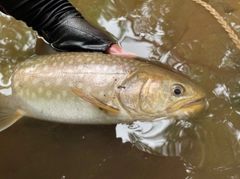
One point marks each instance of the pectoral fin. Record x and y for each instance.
(8, 117)
(91, 99)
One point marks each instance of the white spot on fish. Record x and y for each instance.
(101, 93)
(61, 64)
(20, 92)
(79, 85)
(105, 68)
(109, 93)
(70, 84)
(64, 93)
(58, 81)
(80, 75)
(70, 62)
(79, 67)
(47, 83)
(40, 90)
(35, 80)
(27, 92)
(58, 97)
(108, 80)
(97, 68)
(89, 89)
(44, 61)
(33, 95)
(132, 68)
(114, 68)
(29, 69)
(45, 68)
(49, 93)
(55, 64)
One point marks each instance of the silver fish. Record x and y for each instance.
(95, 88)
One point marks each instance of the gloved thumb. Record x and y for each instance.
(114, 49)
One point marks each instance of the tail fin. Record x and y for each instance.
(8, 115)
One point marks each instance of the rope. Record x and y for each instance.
(219, 18)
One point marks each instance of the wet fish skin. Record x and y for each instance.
(94, 88)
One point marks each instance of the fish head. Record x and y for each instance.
(175, 97)
(155, 93)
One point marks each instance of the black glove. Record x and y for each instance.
(59, 23)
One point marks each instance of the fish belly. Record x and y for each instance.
(70, 109)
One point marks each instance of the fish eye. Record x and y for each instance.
(177, 89)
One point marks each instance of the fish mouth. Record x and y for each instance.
(193, 106)
(193, 103)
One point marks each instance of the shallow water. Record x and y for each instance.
(180, 34)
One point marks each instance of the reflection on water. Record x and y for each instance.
(185, 139)
(150, 137)
(16, 44)
(180, 34)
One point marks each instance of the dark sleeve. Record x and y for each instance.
(59, 23)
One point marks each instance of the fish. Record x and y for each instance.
(97, 88)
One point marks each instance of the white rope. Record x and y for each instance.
(219, 18)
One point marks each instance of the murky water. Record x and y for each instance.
(180, 34)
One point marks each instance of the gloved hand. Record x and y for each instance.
(73, 33)
(61, 25)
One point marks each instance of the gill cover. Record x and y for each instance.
(134, 96)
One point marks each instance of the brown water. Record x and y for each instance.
(181, 34)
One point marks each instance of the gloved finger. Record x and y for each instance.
(114, 49)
